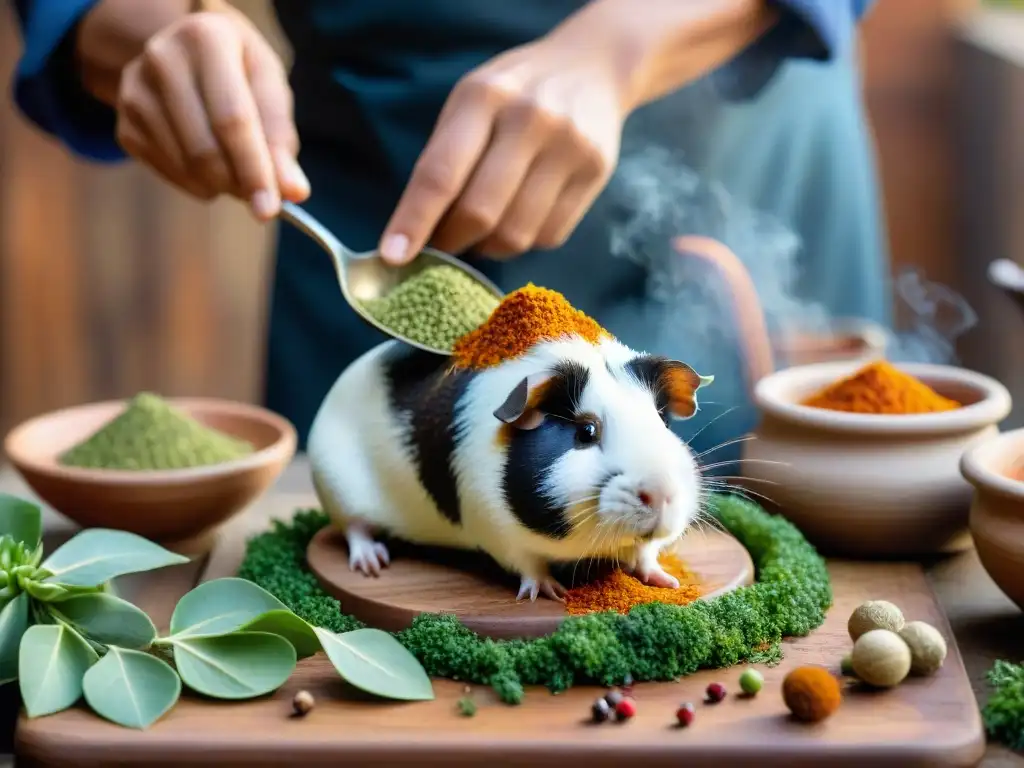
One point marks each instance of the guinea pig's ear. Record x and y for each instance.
(520, 407)
(680, 383)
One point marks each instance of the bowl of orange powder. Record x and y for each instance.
(995, 468)
(864, 456)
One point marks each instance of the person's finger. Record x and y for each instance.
(490, 189)
(274, 102)
(520, 226)
(437, 179)
(236, 124)
(135, 141)
(571, 205)
(170, 74)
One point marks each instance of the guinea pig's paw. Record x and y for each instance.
(367, 555)
(653, 575)
(545, 586)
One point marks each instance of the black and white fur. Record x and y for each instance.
(562, 454)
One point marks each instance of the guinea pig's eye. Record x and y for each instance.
(587, 433)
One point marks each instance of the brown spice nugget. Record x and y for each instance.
(874, 614)
(303, 703)
(811, 693)
(927, 647)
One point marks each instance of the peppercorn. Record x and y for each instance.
(613, 697)
(716, 692)
(685, 714)
(751, 681)
(846, 665)
(303, 703)
(625, 709)
(601, 710)
(467, 707)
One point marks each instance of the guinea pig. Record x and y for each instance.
(560, 454)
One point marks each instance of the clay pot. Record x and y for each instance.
(995, 468)
(855, 484)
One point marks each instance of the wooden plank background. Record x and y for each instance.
(111, 282)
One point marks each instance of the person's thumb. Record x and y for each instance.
(273, 98)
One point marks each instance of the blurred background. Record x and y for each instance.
(111, 282)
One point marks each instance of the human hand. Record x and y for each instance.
(520, 151)
(207, 106)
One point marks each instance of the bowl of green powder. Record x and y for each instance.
(172, 470)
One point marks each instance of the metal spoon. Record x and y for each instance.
(365, 276)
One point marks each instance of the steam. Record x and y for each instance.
(656, 197)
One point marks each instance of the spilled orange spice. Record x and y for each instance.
(619, 591)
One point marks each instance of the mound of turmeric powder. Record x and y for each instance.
(881, 388)
(524, 317)
(618, 591)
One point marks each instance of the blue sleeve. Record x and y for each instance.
(46, 86)
(816, 30)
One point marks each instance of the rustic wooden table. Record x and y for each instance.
(986, 624)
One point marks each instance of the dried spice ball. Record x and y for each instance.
(467, 707)
(881, 658)
(846, 665)
(751, 681)
(927, 647)
(434, 307)
(811, 693)
(685, 714)
(151, 434)
(524, 318)
(600, 711)
(625, 709)
(874, 614)
(303, 703)
(715, 692)
(613, 697)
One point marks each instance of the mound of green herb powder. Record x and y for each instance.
(434, 307)
(150, 433)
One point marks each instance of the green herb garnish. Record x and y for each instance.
(1003, 714)
(651, 642)
(467, 707)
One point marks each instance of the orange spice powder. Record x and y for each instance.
(881, 388)
(620, 591)
(524, 317)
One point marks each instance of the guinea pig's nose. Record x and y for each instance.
(653, 497)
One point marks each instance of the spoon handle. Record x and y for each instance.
(298, 217)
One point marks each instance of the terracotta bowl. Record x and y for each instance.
(844, 339)
(995, 468)
(179, 508)
(870, 485)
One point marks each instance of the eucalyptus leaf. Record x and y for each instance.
(21, 519)
(96, 555)
(377, 663)
(220, 606)
(13, 623)
(131, 688)
(107, 619)
(290, 627)
(52, 661)
(241, 665)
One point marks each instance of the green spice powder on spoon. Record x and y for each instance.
(151, 434)
(434, 307)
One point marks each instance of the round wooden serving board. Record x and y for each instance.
(423, 580)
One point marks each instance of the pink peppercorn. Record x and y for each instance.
(685, 714)
(625, 709)
(716, 692)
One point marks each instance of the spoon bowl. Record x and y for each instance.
(365, 276)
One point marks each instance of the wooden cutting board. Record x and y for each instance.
(924, 722)
(480, 594)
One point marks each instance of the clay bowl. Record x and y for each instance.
(868, 485)
(995, 468)
(845, 339)
(179, 508)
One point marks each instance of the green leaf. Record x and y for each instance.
(377, 663)
(45, 592)
(289, 626)
(107, 619)
(21, 519)
(241, 665)
(221, 606)
(13, 623)
(131, 688)
(52, 661)
(96, 555)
